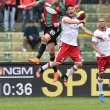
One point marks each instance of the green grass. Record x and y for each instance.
(57, 103)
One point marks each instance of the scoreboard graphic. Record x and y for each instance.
(18, 79)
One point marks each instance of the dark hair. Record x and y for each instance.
(70, 5)
(30, 21)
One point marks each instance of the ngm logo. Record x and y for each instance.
(13, 71)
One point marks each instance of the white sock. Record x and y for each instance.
(100, 85)
(72, 70)
(47, 65)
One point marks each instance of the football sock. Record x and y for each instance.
(72, 70)
(42, 48)
(47, 65)
(52, 57)
(100, 85)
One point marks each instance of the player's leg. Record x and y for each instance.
(100, 87)
(52, 58)
(51, 47)
(74, 53)
(102, 65)
(73, 69)
(49, 33)
(61, 56)
(42, 48)
(44, 67)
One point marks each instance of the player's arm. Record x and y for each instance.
(90, 33)
(64, 2)
(96, 49)
(72, 21)
(63, 9)
(86, 31)
(33, 4)
(57, 24)
(29, 5)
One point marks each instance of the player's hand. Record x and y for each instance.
(56, 24)
(100, 37)
(21, 6)
(102, 54)
(82, 21)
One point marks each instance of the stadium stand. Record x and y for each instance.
(11, 42)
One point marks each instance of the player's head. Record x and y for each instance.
(70, 10)
(101, 23)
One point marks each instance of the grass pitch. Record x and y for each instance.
(56, 103)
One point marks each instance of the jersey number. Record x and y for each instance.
(52, 32)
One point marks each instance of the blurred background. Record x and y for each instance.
(11, 42)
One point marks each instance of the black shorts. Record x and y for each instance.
(53, 32)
